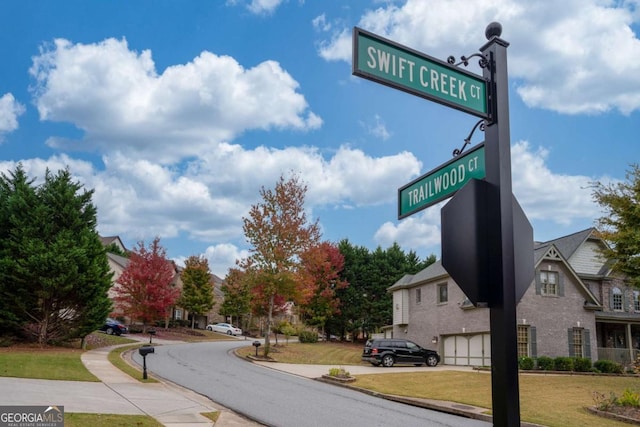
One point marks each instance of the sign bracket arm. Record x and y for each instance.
(467, 140)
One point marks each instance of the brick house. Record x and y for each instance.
(576, 306)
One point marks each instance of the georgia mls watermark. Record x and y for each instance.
(31, 416)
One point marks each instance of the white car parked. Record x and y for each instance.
(225, 328)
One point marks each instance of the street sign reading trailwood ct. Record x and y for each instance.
(383, 61)
(441, 183)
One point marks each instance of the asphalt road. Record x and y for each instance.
(275, 398)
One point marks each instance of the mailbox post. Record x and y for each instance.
(144, 350)
(256, 344)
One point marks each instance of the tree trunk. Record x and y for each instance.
(193, 321)
(42, 330)
(267, 341)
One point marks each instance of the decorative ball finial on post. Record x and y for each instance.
(493, 29)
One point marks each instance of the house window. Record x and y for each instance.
(418, 296)
(616, 299)
(523, 340)
(578, 342)
(178, 314)
(549, 283)
(443, 294)
(636, 300)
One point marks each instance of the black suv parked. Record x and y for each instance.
(389, 351)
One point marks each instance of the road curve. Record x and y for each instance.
(280, 399)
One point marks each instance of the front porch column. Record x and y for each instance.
(630, 343)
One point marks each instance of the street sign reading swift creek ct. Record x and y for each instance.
(400, 67)
(442, 182)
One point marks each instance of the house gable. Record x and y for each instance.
(546, 261)
(588, 259)
(113, 240)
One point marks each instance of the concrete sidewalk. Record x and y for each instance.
(171, 405)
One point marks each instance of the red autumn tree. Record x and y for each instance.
(144, 291)
(320, 273)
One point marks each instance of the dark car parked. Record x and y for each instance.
(387, 352)
(113, 327)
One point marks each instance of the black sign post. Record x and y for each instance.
(504, 352)
(487, 241)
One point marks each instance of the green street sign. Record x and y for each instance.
(442, 182)
(400, 67)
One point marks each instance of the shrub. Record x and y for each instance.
(339, 372)
(608, 367)
(563, 363)
(545, 363)
(582, 364)
(288, 330)
(636, 365)
(629, 398)
(308, 337)
(525, 363)
(603, 402)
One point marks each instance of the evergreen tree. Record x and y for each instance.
(17, 195)
(366, 304)
(197, 289)
(54, 269)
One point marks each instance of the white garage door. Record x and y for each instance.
(467, 350)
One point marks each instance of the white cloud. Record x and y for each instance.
(118, 99)
(544, 195)
(349, 176)
(583, 57)
(378, 128)
(338, 48)
(222, 257)
(422, 230)
(141, 199)
(35, 168)
(10, 110)
(320, 23)
(264, 6)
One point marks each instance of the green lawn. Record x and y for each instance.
(48, 364)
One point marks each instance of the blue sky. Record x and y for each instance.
(176, 113)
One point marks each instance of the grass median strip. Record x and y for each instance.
(108, 420)
(116, 358)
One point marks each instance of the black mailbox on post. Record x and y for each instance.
(144, 350)
(256, 344)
